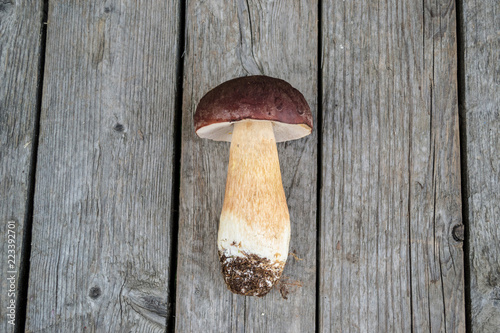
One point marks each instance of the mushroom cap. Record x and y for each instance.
(257, 98)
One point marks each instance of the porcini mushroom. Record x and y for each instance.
(253, 113)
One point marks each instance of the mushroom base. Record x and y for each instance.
(250, 274)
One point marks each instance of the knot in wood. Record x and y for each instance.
(458, 232)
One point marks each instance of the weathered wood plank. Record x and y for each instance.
(19, 63)
(227, 40)
(102, 216)
(390, 195)
(481, 114)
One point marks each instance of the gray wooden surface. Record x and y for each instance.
(102, 213)
(390, 193)
(19, 62)
(481, 116)
(384, 251)
(224, 41)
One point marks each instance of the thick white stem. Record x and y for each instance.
(254, 229)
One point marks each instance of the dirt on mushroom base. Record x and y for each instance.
(250, 274)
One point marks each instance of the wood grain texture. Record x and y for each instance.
(223, 41)
(481, 115)
(19, 62)
(390, 194)
(102, 217)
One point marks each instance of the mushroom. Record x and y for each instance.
(253, 113)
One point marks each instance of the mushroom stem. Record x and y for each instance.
(254, 230)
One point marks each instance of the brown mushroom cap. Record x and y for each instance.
(257, 98)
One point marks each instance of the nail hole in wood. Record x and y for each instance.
(94, 292)
(119, 127)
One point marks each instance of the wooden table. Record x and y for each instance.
(114, 201)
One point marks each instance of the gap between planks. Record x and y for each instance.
(462, 123)
(176, 178)
(21, 306)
